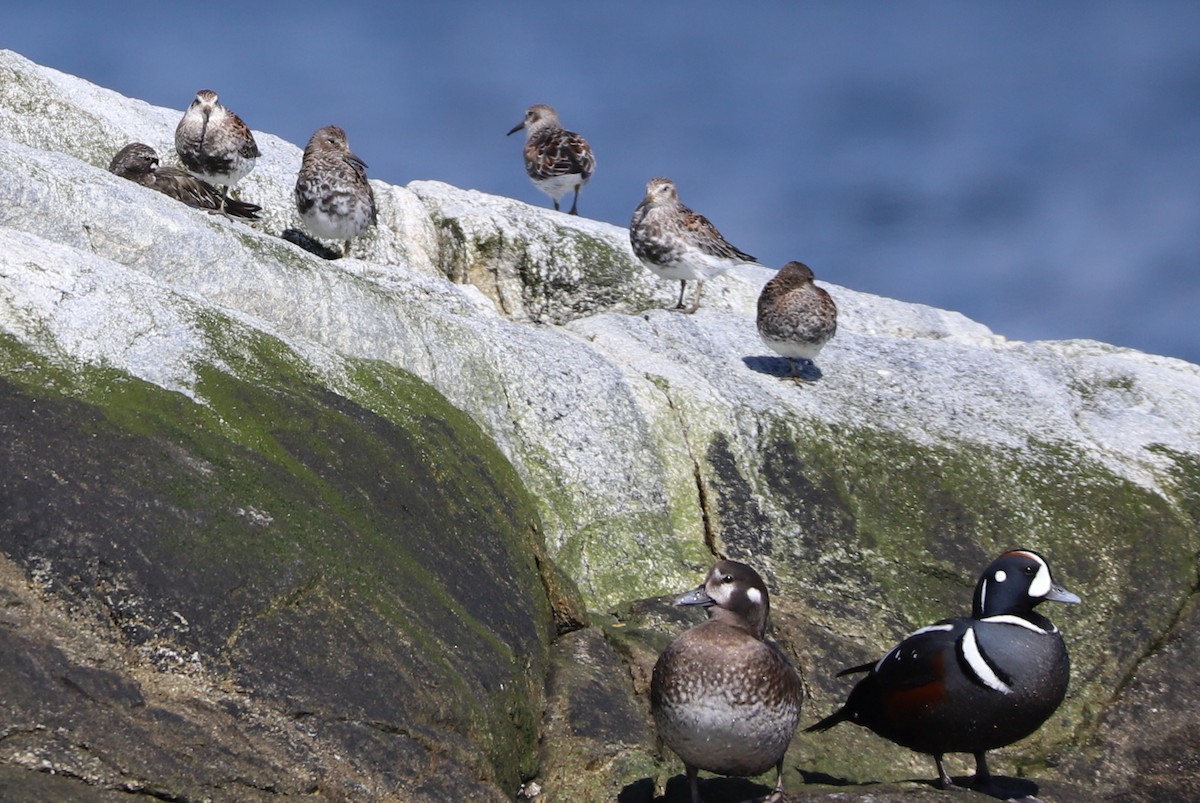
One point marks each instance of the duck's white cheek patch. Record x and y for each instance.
(1040, 586)
(1001, 575)
(720, 594)
(754, 595)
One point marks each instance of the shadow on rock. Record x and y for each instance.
(641, 791)
(1018, 790)
(713, 790)
(1021, 790)
(310, 244)
(782, 367)
(819, 786)
(822, 779)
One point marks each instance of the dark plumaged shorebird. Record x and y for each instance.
(139, 163)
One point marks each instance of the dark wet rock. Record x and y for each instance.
(302, 603)
(597, 737)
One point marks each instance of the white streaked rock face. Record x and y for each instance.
(545, 329)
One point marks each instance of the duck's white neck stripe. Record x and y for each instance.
(1009, 619)
(975, 660)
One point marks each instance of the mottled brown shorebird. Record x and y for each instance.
(557, 161)
(213, 143)
(333, 196)
(139, 163)
(676, 243)
(795, 317)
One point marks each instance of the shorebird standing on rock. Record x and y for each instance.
(556, 160)
(795, 317)
(214, 144)
(333, 196)
(676, 243)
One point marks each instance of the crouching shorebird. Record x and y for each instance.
(214, 144)
(969, 685)
(795, 317)
(676, 243)
(333, 196)
(724, 699)
(557, 161)
(139, 163)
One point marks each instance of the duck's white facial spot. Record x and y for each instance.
(754, 595)
(720, 590)
(1001, 575)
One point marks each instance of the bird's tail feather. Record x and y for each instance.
(841, 715)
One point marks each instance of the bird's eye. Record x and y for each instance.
(727, 578)
(1030, 570)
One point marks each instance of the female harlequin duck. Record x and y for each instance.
(724, 699)
(970, 685)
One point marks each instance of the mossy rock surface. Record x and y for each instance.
(322, 576)
(872, 535)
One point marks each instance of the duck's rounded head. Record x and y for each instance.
(1015, 583)
(735, 593)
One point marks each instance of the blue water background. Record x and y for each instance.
(1034, 165)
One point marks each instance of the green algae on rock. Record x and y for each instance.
(365, 567)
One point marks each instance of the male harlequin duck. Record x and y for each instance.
(970, 685)
(724, 699)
